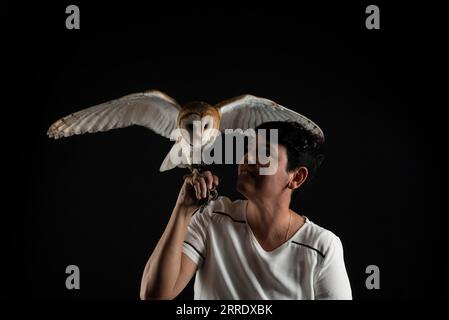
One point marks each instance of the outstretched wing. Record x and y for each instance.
(247, 111)
(151, 109)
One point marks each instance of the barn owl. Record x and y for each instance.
(162, 114)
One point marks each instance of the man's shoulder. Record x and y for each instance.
(317, 237)
(224, 206)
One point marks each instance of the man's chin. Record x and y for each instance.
(243, 188)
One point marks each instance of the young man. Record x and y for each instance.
(250, 249)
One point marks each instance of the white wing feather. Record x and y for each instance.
(248, 111)
(151, 109)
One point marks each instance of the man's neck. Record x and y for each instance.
(269, 218)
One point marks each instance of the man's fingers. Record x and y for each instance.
(203, 187)
(209, 179)
(202, 183)
(197, 188)
(188, 180)
(191, 180)
(215, 180)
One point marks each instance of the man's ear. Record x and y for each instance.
(299, 177)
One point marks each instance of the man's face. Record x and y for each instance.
(251, 183)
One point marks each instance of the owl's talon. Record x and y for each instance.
(212, 195)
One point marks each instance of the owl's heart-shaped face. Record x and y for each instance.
(198, 129)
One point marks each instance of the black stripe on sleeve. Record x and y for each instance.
(197, 251)
(307, 246)
(228, 215)
(196, 210)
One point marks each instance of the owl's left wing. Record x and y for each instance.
(152, 109)
(247, 111)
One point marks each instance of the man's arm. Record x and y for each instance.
(168, 270)
(332, 282)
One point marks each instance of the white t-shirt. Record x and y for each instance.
(233, 265)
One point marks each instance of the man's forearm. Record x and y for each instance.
(163, 267)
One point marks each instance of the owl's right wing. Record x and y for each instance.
(247, 111)
(152, 109)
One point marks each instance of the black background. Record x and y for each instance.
(98, 200)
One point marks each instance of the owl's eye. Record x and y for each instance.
(206, 126)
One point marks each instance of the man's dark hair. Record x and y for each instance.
(303, 147)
